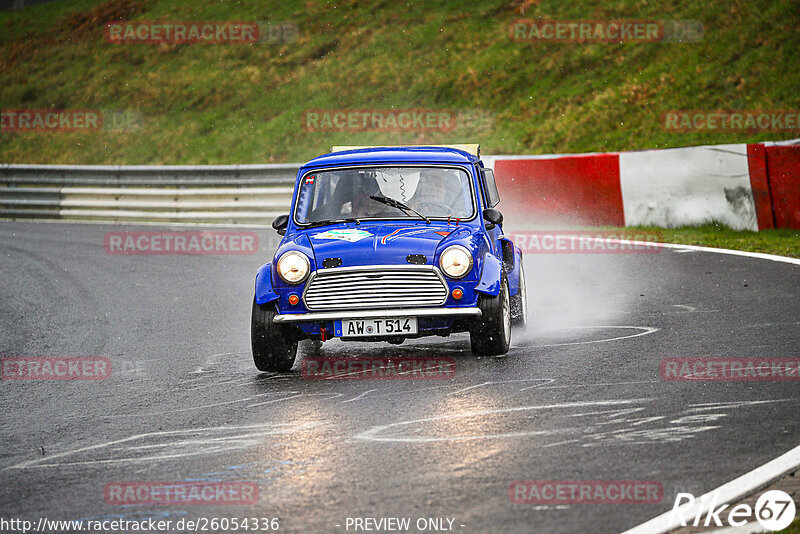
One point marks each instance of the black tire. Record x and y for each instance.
(491, 334)
(274, 345)
(519, 304)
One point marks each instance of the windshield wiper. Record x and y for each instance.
(331, 221)
(397, 204)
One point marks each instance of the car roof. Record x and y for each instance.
(417, 154)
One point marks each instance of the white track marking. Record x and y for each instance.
(411, 390)
(233, 440)
(648, 436)
(742, 253)
(275, 400)
(329, 395)
(360, 396)
(647, 330)
(692, 309)
(275, 377)
(351, 373)
(539, 386)
(675, 247)
(595, 384)
(556, 444)
(598, 430)
(614, 413)
(179, 410)
(545, 380)
(727, 493)
(735, 404)
(372, 433)
(301, 395)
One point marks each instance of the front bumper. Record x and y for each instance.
(375, 314)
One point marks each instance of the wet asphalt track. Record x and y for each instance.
(184, 401)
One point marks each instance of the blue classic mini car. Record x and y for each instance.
(389, 243)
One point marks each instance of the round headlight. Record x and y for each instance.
(293, 267)
(456, 261)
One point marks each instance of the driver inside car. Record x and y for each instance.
(363, 206)
(438, 194)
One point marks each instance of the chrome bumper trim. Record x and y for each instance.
(374, 314)
(368, 287)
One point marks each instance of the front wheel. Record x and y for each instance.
(274, 346)
(491, 334)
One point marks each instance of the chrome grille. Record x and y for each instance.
(387, 286)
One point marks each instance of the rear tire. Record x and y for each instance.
(491, 334)
(274, 345)
(519, 304)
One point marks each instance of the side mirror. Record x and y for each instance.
(493, 217)
(280, 223)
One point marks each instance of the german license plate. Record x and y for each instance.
(375, 327)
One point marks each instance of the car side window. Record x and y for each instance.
(492, 195)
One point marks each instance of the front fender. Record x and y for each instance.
(264, 291)
(491, 272)
(514, 275)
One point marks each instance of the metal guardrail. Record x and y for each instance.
(162, 193)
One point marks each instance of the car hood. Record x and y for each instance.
(377, 243)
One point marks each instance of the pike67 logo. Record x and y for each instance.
(774, 510)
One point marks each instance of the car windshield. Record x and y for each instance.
(435, 192)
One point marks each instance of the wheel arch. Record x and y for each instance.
(264, 290)
(491, 275)
(513, 265)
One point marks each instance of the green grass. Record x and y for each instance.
(782, 242)
(794, 528)
(204, 104)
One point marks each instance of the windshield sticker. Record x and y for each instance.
(350, 235)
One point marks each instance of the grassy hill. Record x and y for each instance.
(238, 103)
